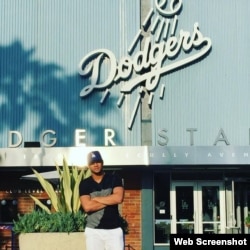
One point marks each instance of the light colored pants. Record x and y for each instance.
(104, 239)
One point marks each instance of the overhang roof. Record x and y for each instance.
(119, 156)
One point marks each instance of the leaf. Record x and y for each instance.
(66, 184)
(49, 189)
(76, 201)
(40, 204)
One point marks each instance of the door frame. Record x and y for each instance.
(197, 204)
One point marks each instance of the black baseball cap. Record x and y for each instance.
(94, 156)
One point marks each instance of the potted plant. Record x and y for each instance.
(247, 220)
(63, 227)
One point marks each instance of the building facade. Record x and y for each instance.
(161, 88)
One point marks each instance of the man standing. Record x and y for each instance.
(100, 195)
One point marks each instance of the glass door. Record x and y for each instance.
(197, 207)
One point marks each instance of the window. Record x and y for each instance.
(162, 208)
(8, 210)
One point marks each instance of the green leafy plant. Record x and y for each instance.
(39, 221)
(66, 215)
(247, 220)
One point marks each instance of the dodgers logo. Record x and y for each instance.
(143, 69)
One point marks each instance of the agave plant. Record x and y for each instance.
(66, 199)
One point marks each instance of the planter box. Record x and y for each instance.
(52, 241)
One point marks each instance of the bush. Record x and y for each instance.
(40, 221)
